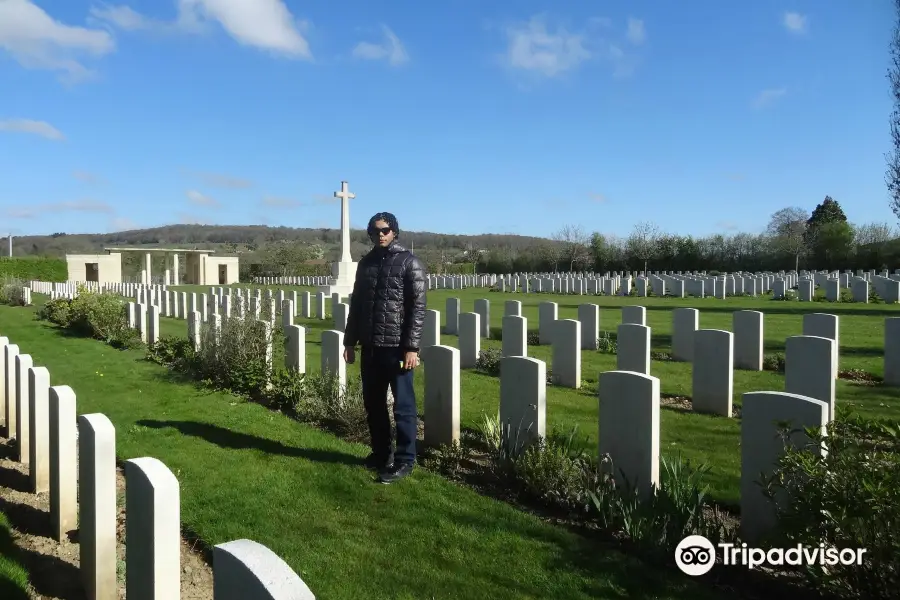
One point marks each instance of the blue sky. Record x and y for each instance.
(459, 116)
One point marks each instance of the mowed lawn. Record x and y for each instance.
(246, 472)
(13, 577)
(700, 438)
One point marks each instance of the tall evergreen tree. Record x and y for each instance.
(828, 234)
(828, 211)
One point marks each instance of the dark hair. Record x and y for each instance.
(388, 218)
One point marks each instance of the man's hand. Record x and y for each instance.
(349, 355)
(411, 360)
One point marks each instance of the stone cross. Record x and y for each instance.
(345, 195)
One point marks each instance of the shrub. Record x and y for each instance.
(56, 311)
(102, 316)
(174, 352)
(558, 471)
(322, 401)
(234, 356)
(28, 268)
(286, 390)
(607, 344)
(789, 296)
(234, 360)
(99, 315)
(774, 362)
(12, 291)
(676, 508)
(847, 498)
(447, 459)
(534, 338)
(489, 361)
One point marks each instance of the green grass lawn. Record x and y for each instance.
(247, 472)
(700, 438)
(13, 577)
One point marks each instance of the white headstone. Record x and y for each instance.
(442, 395)
(629, 427)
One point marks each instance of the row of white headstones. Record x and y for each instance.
(718, 351)
(73, 460)
(627, 395)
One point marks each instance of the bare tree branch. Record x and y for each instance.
(787, 230)
(575, 245)
(642, 243)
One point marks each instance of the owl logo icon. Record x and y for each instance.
(695, 555)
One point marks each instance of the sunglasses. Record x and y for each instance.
(381, 230)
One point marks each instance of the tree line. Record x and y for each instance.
(794, 239)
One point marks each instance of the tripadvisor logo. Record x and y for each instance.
(695, 555)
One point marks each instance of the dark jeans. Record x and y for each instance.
(380, 368)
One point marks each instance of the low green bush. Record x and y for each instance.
(99, 315)
(235, 356)
(774, 362)
(174, 352)
(559, 471)
(607, 344)
(233, 359)
(488, 361)
(12, 291)
(846, 497)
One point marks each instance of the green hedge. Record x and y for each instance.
(34, 268)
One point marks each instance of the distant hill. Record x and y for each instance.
(237, 240)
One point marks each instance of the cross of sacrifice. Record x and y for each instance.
(344, 194)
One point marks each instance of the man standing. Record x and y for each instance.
(387, 314)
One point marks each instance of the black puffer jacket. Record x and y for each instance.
(388, 303)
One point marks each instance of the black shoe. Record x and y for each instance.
(376, 462)
(395, 473)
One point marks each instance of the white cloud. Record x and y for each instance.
(41, 128)
(598, 198)
(727, 225)
(636, 33)
(200, 199)
(540, 48)
(128, 19)
(794, 22)
(767, 98)
(37, 41)
(533, 47)
(390, 49)
(263, 24)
